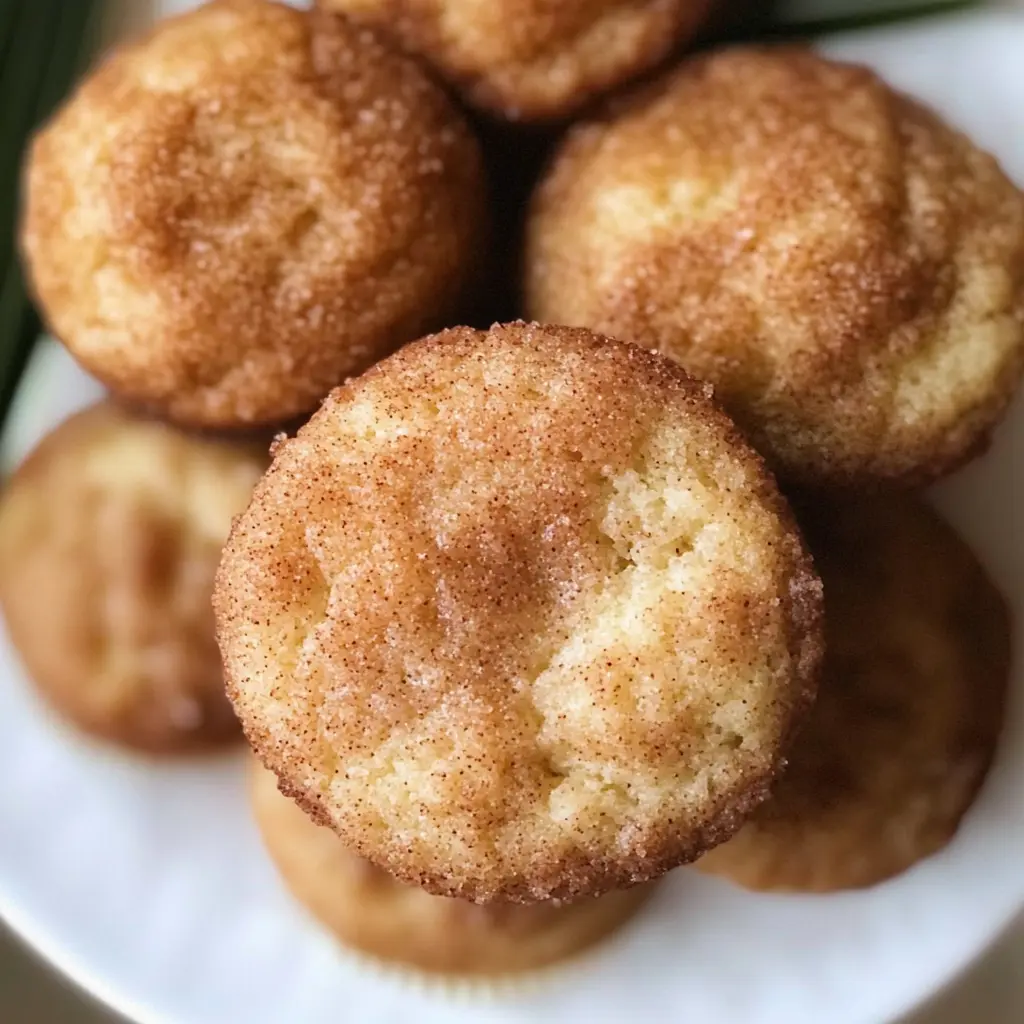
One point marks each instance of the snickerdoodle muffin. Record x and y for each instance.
(533, 60)
(908, 713)
(110, 533)
(520, 615)
(370, 911)
(844, 267)
(248, 205)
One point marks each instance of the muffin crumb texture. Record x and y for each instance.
(533, 60)
(844, 267)
(909, 711)
(110, 533)
(369, 911)
(235, 213)
(520, 615)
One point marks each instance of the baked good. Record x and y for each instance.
(908, 711)
(520, 615)
(533, 60)
(251, 203)
(110, 533)
(370, 911)
(846, 269)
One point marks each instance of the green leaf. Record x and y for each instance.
(43, 44)
(814, 16)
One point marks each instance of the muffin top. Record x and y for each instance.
(908, 712)
(251, 203)
(520, 615)
(845, 268)
(110, 534)
(533, 60)
(372, 912)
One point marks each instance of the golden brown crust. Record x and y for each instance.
(533, 60)
(520, 615)
(110, 534)
(369, 910)
(909, 710)
(845, 268)
(235, 213)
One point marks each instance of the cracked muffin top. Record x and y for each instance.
(909, 710)
(520, 615)
(251, 203)
(533, 60)
(846, 269)
(110, 534)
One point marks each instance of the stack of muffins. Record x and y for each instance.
(523, 616)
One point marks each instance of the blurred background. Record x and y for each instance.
(43, 45)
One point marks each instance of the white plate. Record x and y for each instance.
(147, 883)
